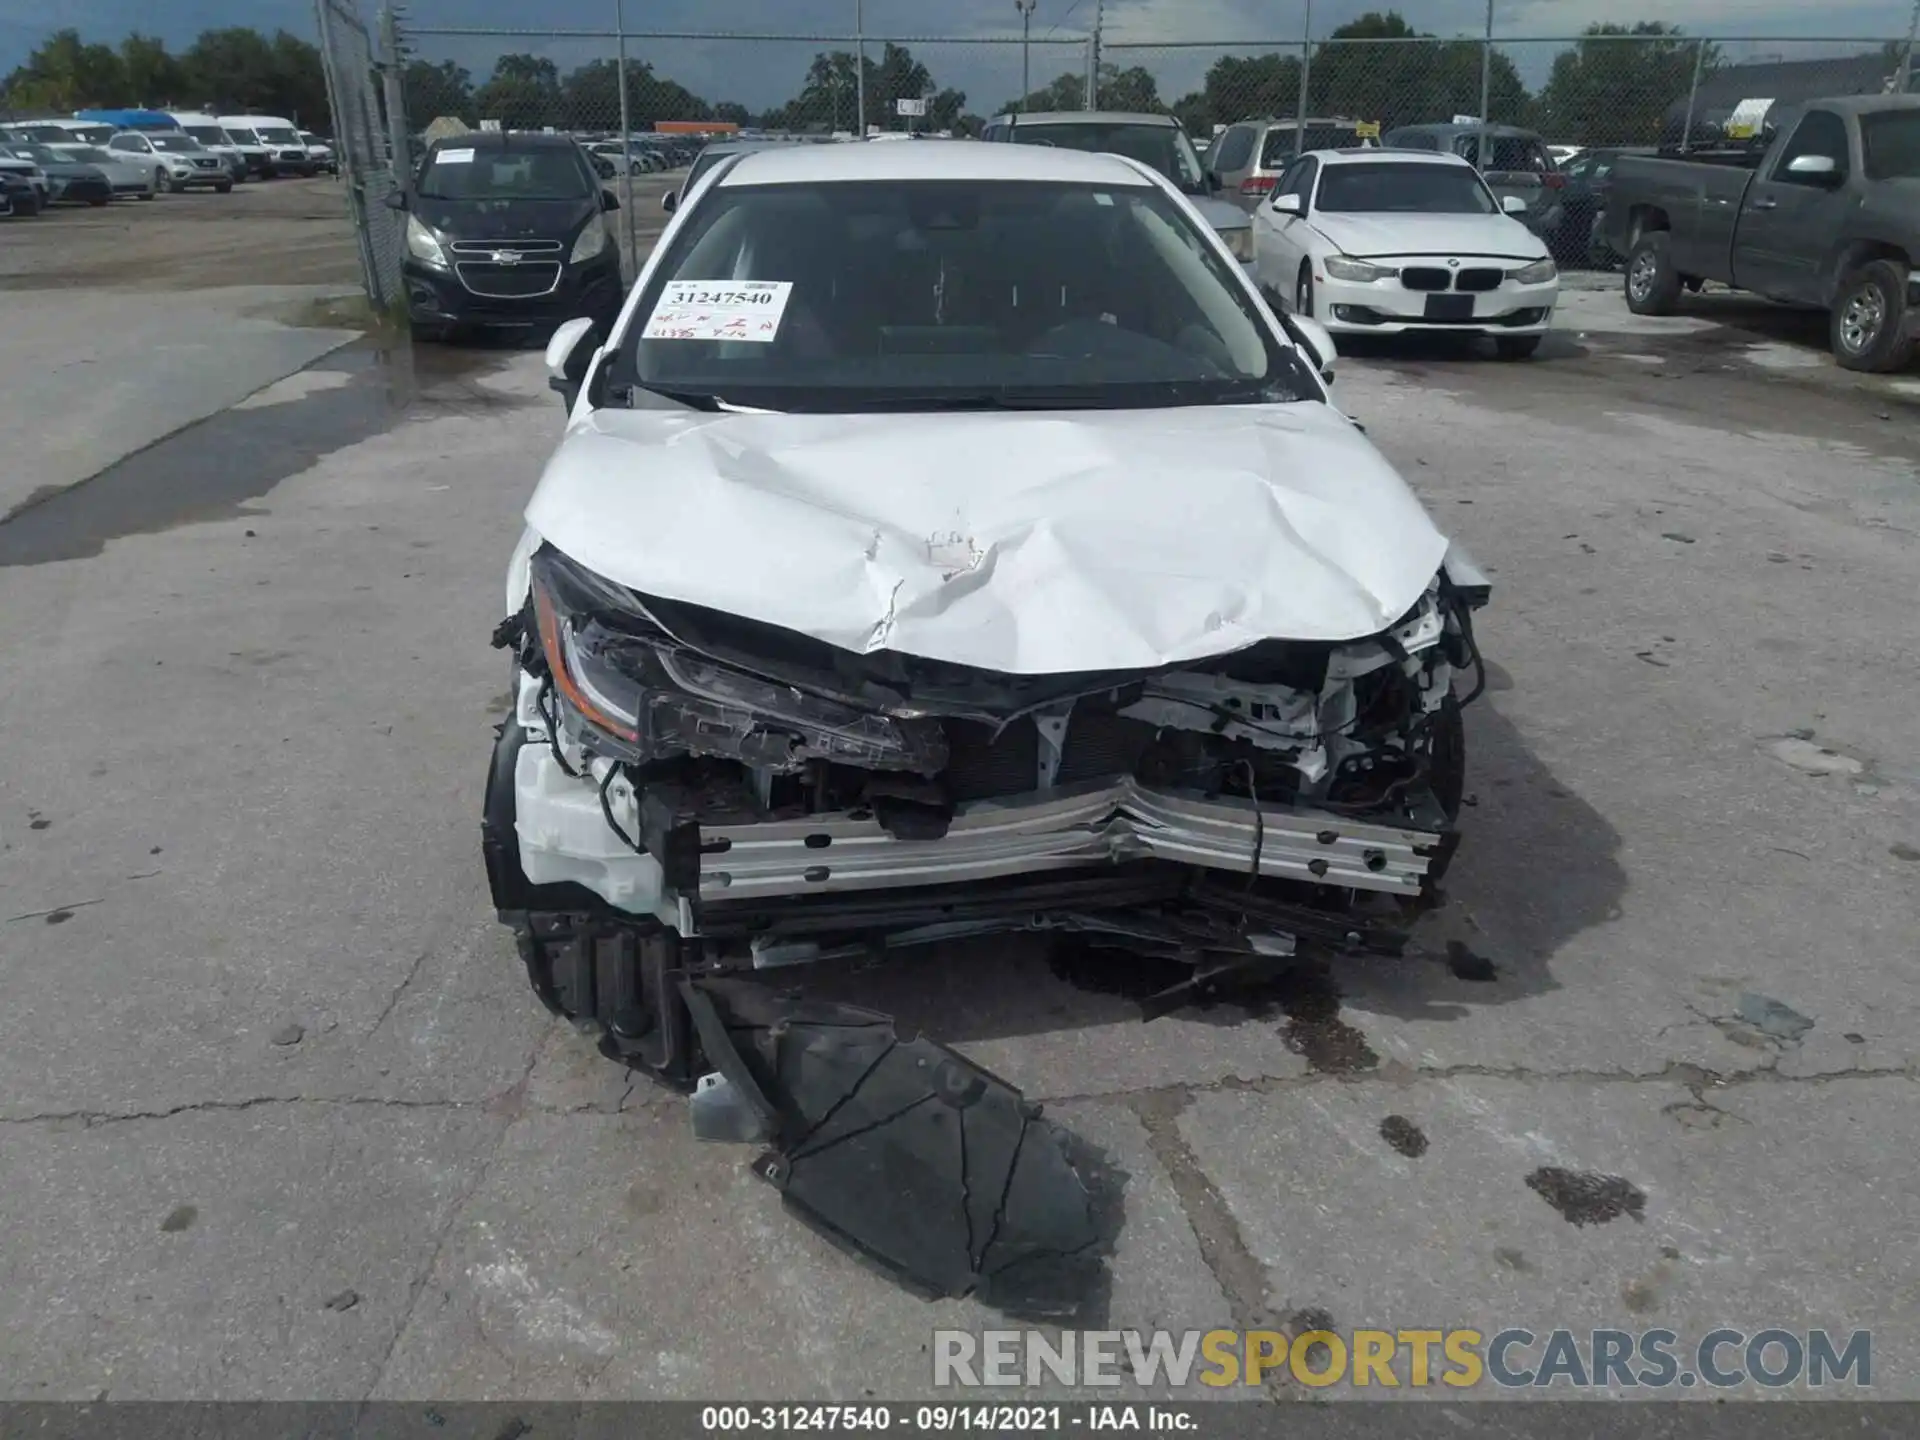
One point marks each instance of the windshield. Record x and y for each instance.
(953, 294)
(208, 134)
(1281, 142)
(1396, 188)
(177, 144)
(1515, 154)
(42, 154)
(88, 154)
(242, 137)
(1890, 145)
(277, 134)
(466, 173)
(1164, 147)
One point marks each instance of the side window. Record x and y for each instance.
(123, 142)
(1821, 132)
(1304, 175)
(1236, 147)
(994, 132)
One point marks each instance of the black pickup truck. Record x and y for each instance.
(1828, 215)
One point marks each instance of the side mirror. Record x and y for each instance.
(670, 201)
(1513, 204)
(1818, 168)
(609, 200)
(396, 200)
(1288, 204)
(1319, 343)
(569, 353)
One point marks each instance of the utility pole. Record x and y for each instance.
(1306, 74)
(860, 68)
(1906, 59)
(1026, 9)
(626, 145)
(1093, 55)
(1486, 87)
(397, 135)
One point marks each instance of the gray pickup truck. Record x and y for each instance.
(1828, 216)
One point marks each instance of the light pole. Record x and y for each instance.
(1026, 9)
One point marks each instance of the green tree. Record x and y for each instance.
(1368, 70)
(523, 93)
(233, 67)
(732, 113)
(1066, 92)
(66, 73)
(300, 81)
(153, 77)
(435, 90)
(1615, 86)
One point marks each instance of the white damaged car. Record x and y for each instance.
(948, 540)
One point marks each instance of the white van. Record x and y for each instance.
(247, 161)
(287, 154)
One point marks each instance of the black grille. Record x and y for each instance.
(1097, 745)
(980, 765)
(1424, 277)
(509, 281)
(206, 164)
(293, 154)
(1478, 279)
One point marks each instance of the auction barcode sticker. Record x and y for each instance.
(748, 310)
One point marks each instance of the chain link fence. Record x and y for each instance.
(354, 86)
(1622, 85)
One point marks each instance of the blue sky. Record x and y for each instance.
(763, 74)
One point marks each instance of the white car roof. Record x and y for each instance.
(1389, 157)
(953, 160)
(247, 122)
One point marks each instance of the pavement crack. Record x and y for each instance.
(510, 1105)
(1242, 1278)
(413, 973)
(91, 1118)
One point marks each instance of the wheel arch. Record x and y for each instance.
(1850, 255)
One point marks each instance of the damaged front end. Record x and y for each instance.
(745, 797)
(684, 798)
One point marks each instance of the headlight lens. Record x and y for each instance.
(1538, 273)
(592, 241)
(1240, 242)
(657, 699)
(1358, 272)
(423, 245)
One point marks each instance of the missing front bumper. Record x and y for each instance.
(563, 838)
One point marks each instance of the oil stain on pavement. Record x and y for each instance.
(1585, 1198)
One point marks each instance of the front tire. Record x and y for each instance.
(224, 188)
(1303, 300)
(162, 181)
(1653, 285)
(1869, 329)
(1516, 347)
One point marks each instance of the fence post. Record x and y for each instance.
(860, 68)
(1693, 94)
(1486, 90)
(1306, 77)
(399, 137)
(626, 144)
(338, 105)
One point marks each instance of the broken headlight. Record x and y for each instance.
(648, 697)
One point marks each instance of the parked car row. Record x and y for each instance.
(178, 150)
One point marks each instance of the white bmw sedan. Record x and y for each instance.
(1386, 242)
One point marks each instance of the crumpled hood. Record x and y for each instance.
(1368, 235)
(1022, 543)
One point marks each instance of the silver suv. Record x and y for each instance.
(1247, 157)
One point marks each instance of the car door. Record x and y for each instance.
(1293, 236)
(1786, 221)
(133, 146)
(1275, 252)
